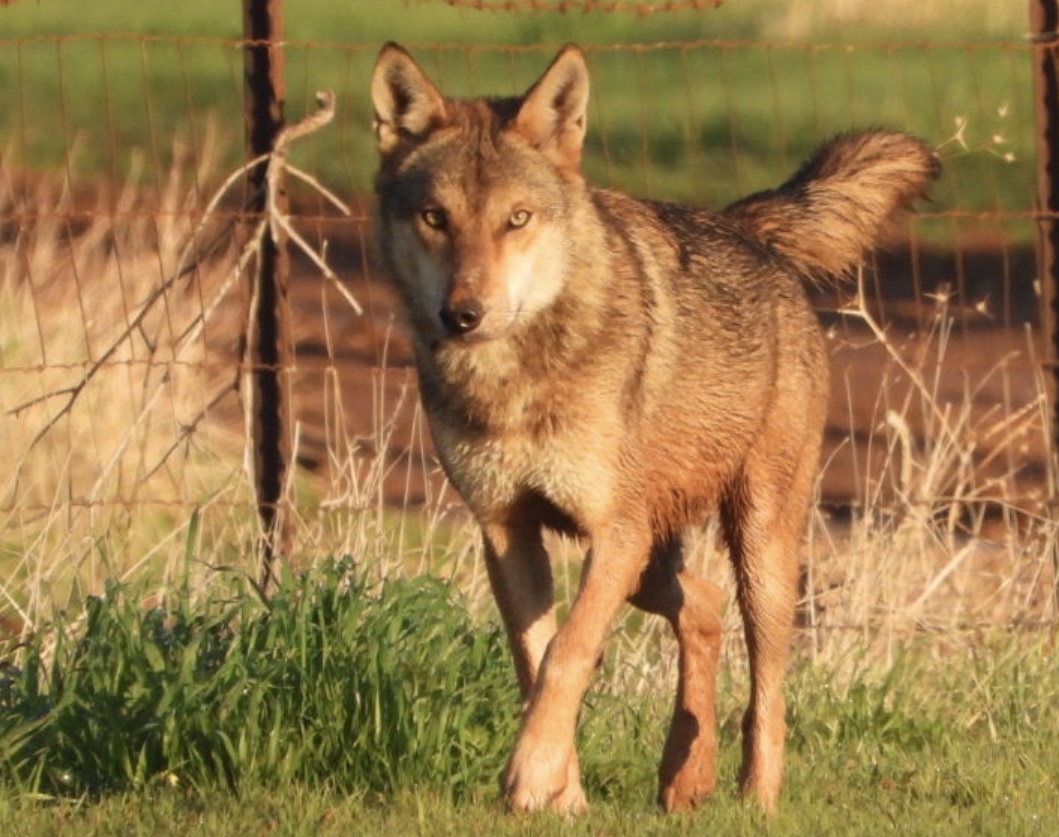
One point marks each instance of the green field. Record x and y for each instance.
(704, 106)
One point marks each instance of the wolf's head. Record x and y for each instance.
(476, 195)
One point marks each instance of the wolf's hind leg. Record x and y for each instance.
(692, 605)
(764, 522)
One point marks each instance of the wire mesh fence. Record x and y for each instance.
(124, 370)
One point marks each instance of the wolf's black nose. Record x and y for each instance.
(463, 316)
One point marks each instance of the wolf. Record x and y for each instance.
(617, 369)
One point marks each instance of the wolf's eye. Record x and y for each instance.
(519, 218)
(434, 218)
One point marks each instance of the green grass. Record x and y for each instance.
(702, 121)
(391, 708)
(297, 811)
(326, 682)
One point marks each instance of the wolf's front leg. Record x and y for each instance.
(521, 580)
(542, 771)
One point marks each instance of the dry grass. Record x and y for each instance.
(111, 391)
(123, 430)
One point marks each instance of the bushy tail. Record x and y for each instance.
(832, 211)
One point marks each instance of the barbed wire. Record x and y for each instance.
(584, 6)
(1021, 44)
(238, 223)
(308, 219)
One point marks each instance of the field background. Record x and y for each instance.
(145, 683)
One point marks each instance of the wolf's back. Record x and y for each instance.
(831, 212)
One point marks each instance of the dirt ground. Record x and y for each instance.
(355, 389)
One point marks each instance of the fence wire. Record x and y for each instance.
(123, 310)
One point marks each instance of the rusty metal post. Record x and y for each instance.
(1044, 20)
(269, 345)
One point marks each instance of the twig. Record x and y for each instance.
(275, 220)
(861, 313)
(278, 164)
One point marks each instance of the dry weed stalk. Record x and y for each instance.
(130, 427)
(120, 377)
(942, 550)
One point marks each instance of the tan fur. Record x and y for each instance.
(617, 369)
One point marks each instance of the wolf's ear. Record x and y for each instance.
(553, 112)
(407, 104)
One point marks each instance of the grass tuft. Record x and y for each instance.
(329, 683)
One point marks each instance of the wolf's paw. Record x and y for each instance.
(689, 782)
(761, 782)
(550, 781)
(684, 795)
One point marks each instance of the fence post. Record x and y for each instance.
(1044, 18)
(268, 348)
